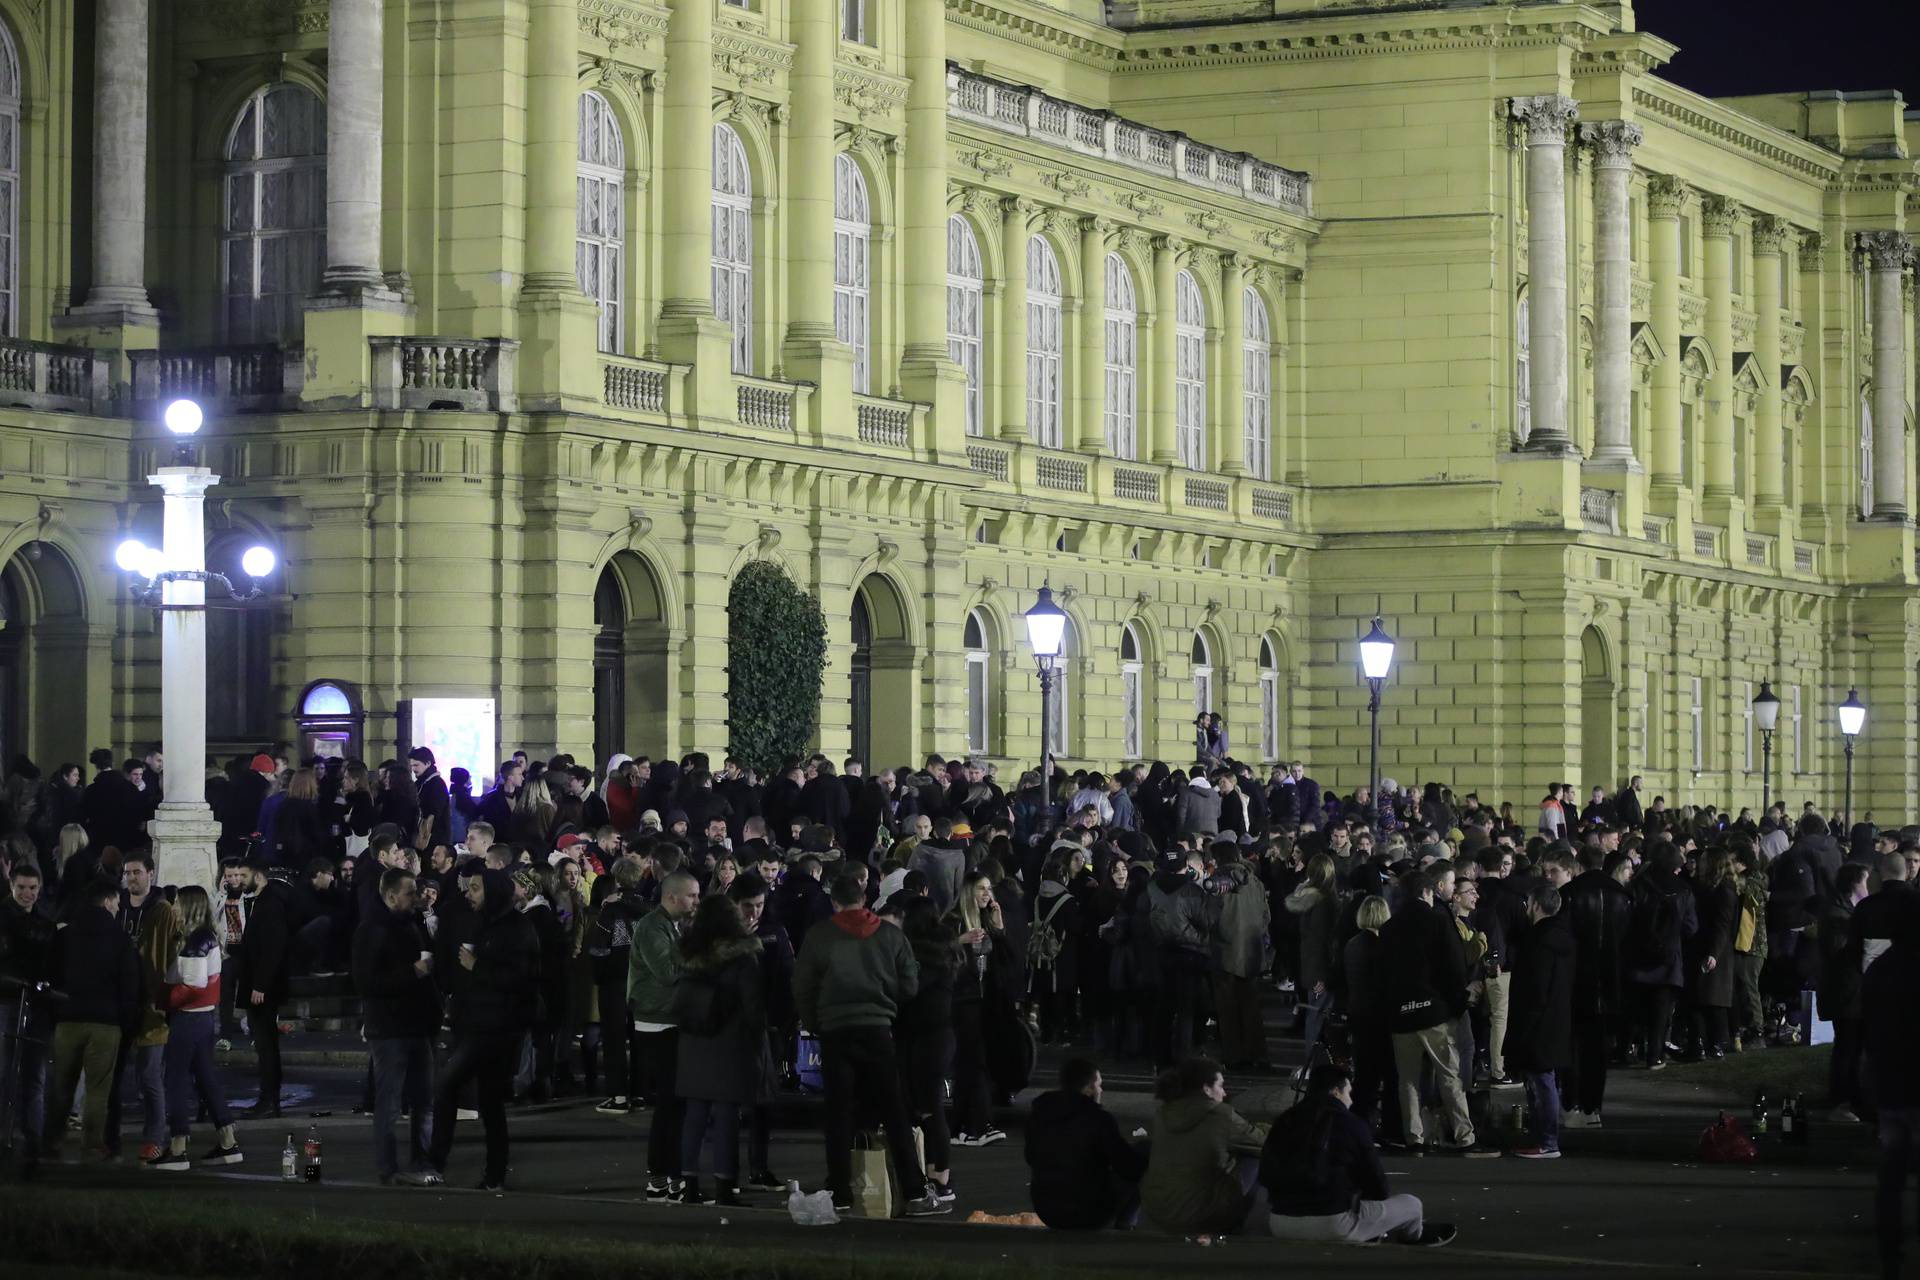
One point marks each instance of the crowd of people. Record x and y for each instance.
(697, 940)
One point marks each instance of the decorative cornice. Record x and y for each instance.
(1281, 242)
(619, 23)
(1138, 203)
(1348, 36)
(1546, 116)
(1708, 119)
(986, 163)
(1886, 250)
(1066, 183)
(750, 59)
(1207, 222)
(1613, 142)
(1667, 196)
(869, 93)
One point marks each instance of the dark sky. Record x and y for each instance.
(1763, 46)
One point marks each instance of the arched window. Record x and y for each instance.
(1269, 701)
(733, 243)
(1058, 719)
(1132, 700)
(1202, 674)
(600, 241)
(1043, 343)
(1123, 325)
(852, 254)
(979, 691)
(274, 231)
(1522, 366)
(1256, 374)
(965, 284)
(1866, 453)
(1190, 372)
(9, 184)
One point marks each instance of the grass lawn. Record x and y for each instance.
(1800, 1069)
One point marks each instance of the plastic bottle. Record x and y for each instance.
(1760, 1112)
(313, 1153)
(289, 1163)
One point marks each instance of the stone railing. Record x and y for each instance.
(255, 379)
(52, 378)
(1599, 510)
(1136, 484)
(635, 385)
(764, 403)
(1760, 550)
(463, 374)
(1805, 558)
(883, 422)
(1029, 113)
(1068, 475)
(1273, 504)
(1706, 540)
(989, 461)
(1208, 495)
(1657, 529)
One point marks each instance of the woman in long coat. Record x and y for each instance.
(1710, 951)
(721, 1010)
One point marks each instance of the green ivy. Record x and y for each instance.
(777, 655)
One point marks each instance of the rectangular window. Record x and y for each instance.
(1686, 247)
(1736, 257)
(1646, 717)
(1130, 711)
(977, 702)
(1269, 715)
(853, 20)
(1746, 713)
(1697, 725)
(1799, 738)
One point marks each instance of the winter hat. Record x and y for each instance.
(675, 815)
(650, 819)
(529, 879)
(816, 838)
(963, 831)
(422, 754)
(262, 763)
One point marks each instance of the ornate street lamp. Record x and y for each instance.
(1766, 714)
(173, 580)
(1376, 659)
(1046, 633)
(1853, 718)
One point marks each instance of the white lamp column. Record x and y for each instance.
(183, 830)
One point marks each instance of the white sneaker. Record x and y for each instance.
(990, 1137)
(1574, 1120)
(466, 1113)
(1843, 1114)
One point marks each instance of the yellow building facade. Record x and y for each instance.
(521, 325)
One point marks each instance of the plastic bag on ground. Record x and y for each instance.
(815, 1210)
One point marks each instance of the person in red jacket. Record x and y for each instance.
(193, 1005)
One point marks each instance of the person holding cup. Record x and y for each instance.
(393, 972)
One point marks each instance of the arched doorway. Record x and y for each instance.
(1598, 731)
(884, 702)
(43, 658)
(630, 668)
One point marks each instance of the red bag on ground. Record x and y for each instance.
(1723, 1142)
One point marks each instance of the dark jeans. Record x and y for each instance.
(27, 1109)
(192, 1073)
(487, 1061)
(1543, 1096)
(1843, 1069)
(923, 1061)
(972, 1100)
(1175, 1006)
(1376, 1085)
(1899, 1161)
(402, 1080)
(147, 1065)
(1236, 1003)
(658, 1054)
(264, 1021)
(859, 1066)
(1656, 1019)
(725, 1119)
(1589, 1064)
(616, 1038)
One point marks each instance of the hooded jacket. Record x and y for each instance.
(1319, 912)
(1196, 812)
(945, 867)
(1178, 913)
(1599, 909)
(95, 963)
(1075, 1155)
(1189, 1186)
(854, 971)
(396, 1002)
(1240, 938)
(1319, 1160)
(1424, 967)
(1540, 1004)
(731, 1063)
(499, 995)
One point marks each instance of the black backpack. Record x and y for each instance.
(1656, 919)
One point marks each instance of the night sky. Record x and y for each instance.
(1766, 46)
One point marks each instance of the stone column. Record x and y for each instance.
(1013, 318)
(1093, 335)
(1164, 436)
(118, 292)
(1546, 117)
(553, 144)
(1769, 458)
(927, 371)
(1717, 216)
(1666, 199)
(355, 103)
(1888, 253)
(1613, 142)
(687, 161)
(810, 176)
(1229, 443)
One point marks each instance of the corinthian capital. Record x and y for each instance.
(1612, 141)
(1546, 116)
(1718, 214)
(1770, 234)
(1666, 196)
(1887, 250)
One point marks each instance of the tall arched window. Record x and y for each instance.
(1132, 699)
(965, 285)
(1202, 674)
(1123, 325)
(1059, 739)
(1866, 452)
(733, 243)
(600, 241)
(1043, 343)
(274, 231)
(1269, 701)
(979, 688)
(1189, 372)
(1256, 381)
(9, 184)
(852, 256)
(1522, 366)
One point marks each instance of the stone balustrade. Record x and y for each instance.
(53, 378)
(474, 375)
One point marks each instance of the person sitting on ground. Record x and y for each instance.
(1203, 1155)
(1084, 1174)
(1324, 1179)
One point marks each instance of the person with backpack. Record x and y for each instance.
(719, 1006)
(1083, 1174)
(1052, 945)
(1324, 1179)
(1663, 919)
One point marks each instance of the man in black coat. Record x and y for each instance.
(1888, 994)
(27, 934)
(1426, 983)
(1084, 1174)
(266, 952)
(1663, 919)
(430, 792)
(1502, 916)
(824, 801)
(400, 1010)
(95, 963)
(1540, 1018)
(1599, 910)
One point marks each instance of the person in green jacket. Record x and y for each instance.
(653, 969)
(1203, 1155)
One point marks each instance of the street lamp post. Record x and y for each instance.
(183, 830)
(1853, 718)
(1766, 714)
(1376, 659)
(1046, 633)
